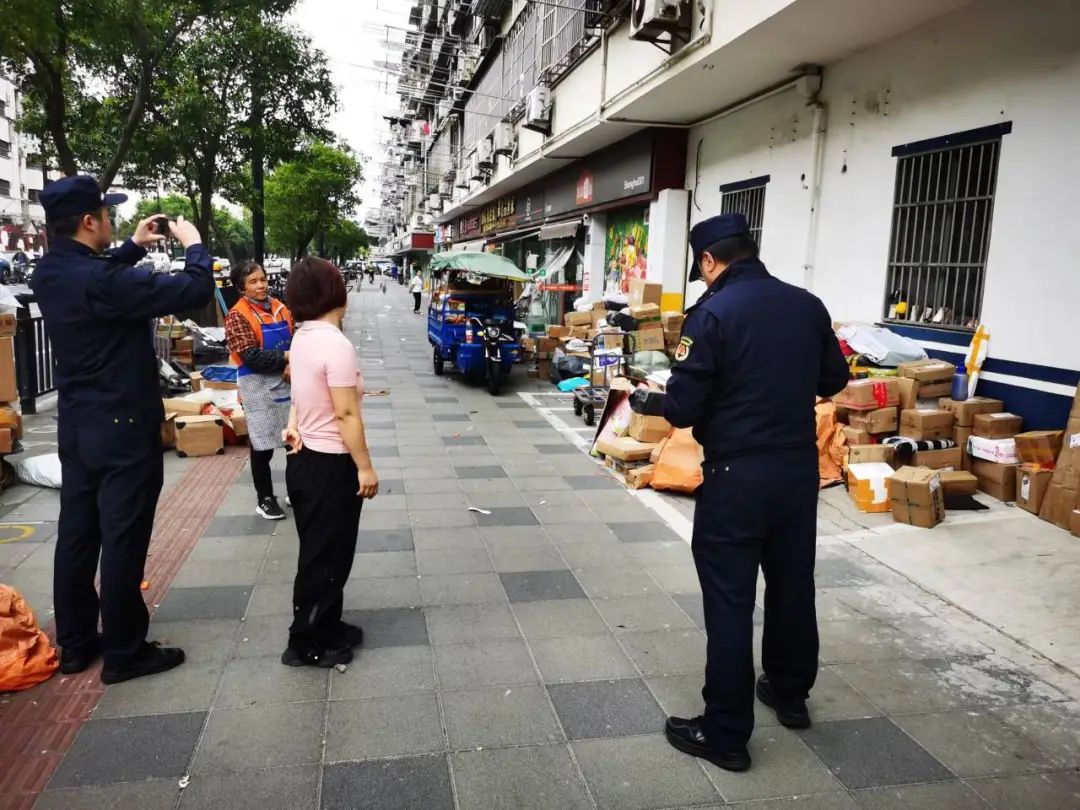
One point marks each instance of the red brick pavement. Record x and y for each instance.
(40, 724)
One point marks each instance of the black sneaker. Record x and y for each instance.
(348, 635)
(688, 737)
(314, 657)
(150, 660)
(269, 509)
(790, 713)
(74, 660)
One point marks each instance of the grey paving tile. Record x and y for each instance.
(562, 448)
(833, 699)
(264, 681)
(382, 593)
(952, 795)
(974, 743)
(211, 573)
(130, 749)
(237, 525)
(441, 518)
(513, 404)
(532, 586)
(408, 783)
(783, 767)
(369, 540)
(452, 624)
(609, 582)
(227, 549)
(478, 472)
(532, 424)
(158, 794)
(450, 417)
(639, 613)
(559, 617)
(261, 637)
(383, 452)
(533, 778)
(692, 606)
(581, 658)
(1058, 790)
(606, 709)
(514, 559)
(461, 589)
(649, 532)
(445, 538)
(514, 536)
(383, 672)
(517, 715)
(637, 773)
(901, 686)
(872, 753)
(487, 663)
(188, 688)
(507, 516)
(384, 564)
(382, 727)
(987, 679)
(1054, 727)
(597, 481)
(667, 652)
(383, 521)
(859, 641)
(680, 695)
(261, 737)
(186, 604)
(678, 578)
(842, 573)
(453, 561)
(393, 627)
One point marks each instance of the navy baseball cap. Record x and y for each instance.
(706, 234)
(72, 196)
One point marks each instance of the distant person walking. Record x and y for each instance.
(416, 287)
(329, 471)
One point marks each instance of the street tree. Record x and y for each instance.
(345, 240)
(307, 195)
(229, 235)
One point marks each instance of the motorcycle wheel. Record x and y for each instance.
(494, 378)
(577, 407)
(438, 362)
(589, 414)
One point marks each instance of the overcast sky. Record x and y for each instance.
(353, 33)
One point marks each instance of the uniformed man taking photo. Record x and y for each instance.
(754, 354)
(98, 309)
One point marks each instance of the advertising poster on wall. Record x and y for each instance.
(627, 249)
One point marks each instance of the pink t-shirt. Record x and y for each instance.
(321, 358)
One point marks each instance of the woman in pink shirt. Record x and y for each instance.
(329, 472)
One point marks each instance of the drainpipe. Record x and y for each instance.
(818, 151)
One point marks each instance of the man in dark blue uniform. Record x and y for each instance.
(98, 309)
(754, 354)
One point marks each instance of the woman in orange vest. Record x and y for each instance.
(259, 330)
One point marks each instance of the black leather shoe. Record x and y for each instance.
(790, 713)
(150, 660)
(687, 736)
(315, 657)
(348, 635)
(75, 660)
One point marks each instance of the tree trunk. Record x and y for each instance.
(258, 158)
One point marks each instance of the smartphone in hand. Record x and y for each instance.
(162, 225)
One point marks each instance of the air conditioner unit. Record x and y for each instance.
(475, 172)
(467, 68)
(504, 138)
(444, 108)
(485, 154)
(446, 187)
(651, 18)
(538, 110)
(464, 175)
(434, 202)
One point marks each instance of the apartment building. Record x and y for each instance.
(910, 163)
(22, 219)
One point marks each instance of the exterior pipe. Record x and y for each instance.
(818, 149)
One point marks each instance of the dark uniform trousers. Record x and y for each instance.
(756, 510)
(112, 478)
(322, 488)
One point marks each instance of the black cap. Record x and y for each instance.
(706, 234)
(72, 196)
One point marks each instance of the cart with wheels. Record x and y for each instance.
(591, 398)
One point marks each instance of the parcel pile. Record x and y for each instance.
(11, 425)
(203, 422)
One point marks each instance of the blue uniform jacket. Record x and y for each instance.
(98, 311)
(754, 354)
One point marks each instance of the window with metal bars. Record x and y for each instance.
(5, 149)
(943, 206)
(5, 188)
(746, 197)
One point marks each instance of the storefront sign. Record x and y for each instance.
(541, 287)
(584, 188)
(467, 226)
(623, 170)
(499, 216)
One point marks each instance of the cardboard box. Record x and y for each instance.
(12, 419)
(8, 325)
(649, 429)
(199, 436)
(870, 453)
(543, 369)
(868, 486)
(869, 395)
(951, 459)
(1040, 447)
(644, 292)
(996, 480)
(997, 425)
(196, 378)
(646, 314)
(649, 340)
(7, 440)
(182, 407)
(1074, 523)
(171, 329)
(9, 391)
(558, 331)
(934, 376)
(960, 435)
(625, 448)
(997, 451)
(239, 423)
(926, 423)
(968, 409)
(916, 497)
(958, 482)
(856, 436)
(1031, 486)
(578, 318)
(672, 321)
(640, 477)
(881, 420)
(580, 332)
(168, 431)
(1058, 505)
(909, 392)
(214, 385)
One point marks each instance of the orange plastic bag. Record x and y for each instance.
(830, 445)
(678, 469)
(26, 656)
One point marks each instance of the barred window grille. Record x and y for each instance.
(943, 208)
(5, 149)
(5, 188)
(746, 197)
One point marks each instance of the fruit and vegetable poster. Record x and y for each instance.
(627, 249)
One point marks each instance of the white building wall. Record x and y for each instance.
(985, 64)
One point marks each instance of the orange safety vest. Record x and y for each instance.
(258, 318)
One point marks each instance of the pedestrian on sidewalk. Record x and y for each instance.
(97, 308)
(754, 354)
(329, 472)
(259, 330)
(416, 287)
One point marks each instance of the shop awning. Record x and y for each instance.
(474, 246)
(561, 230)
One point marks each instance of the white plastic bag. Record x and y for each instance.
(880, 345)
(8, 302)
(39, 471)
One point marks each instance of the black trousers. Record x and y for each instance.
(322, 487)
(416, 302)
(112, 477)
(756, 511)
(260, 473)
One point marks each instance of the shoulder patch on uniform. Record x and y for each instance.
(683, 350)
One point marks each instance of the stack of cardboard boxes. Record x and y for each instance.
(181, 341)
(1062, 499)
(631, 453)
(11, 427)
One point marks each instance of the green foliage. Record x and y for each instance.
(345, 240)
(229, 236)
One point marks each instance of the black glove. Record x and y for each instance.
(647, 403)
